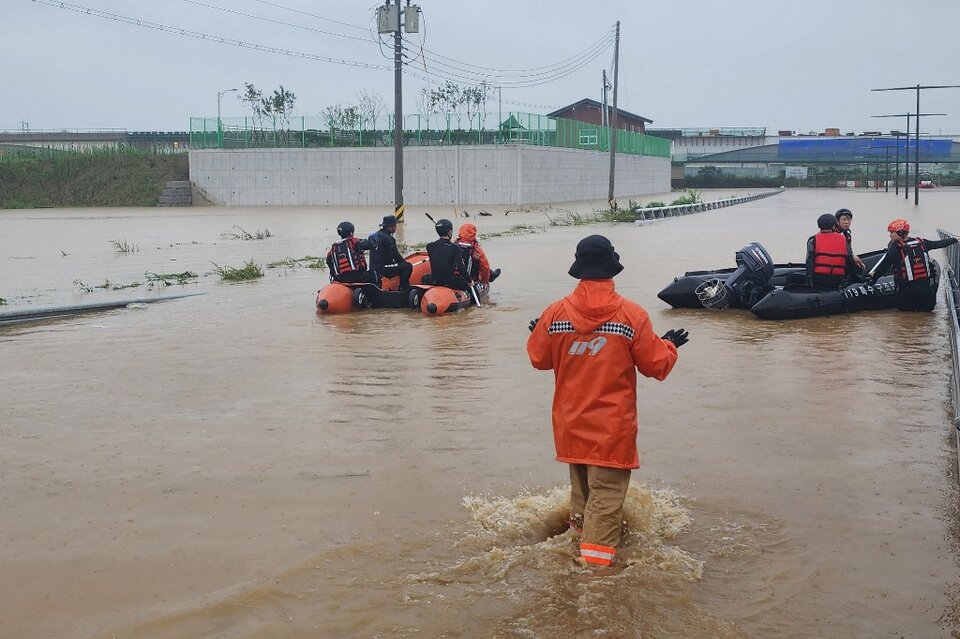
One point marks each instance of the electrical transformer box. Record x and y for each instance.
(411, 19)
(387, 19)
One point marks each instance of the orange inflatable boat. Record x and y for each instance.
(337, 297)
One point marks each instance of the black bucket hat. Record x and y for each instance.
(596, 259)
(389, 220)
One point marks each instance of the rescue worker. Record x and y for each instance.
(829, 262)
(478, 264)
(345, 258)
(912, 271)
(844, 219)
(449, 263)
(595, 341)
(385, 259)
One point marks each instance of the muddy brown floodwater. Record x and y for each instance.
(234, 465)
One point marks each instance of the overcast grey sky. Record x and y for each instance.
(795, 65)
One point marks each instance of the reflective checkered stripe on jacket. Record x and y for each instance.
(597, 554)
(610, 328)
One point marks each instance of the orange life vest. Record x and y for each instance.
(346, 257)
(830, 254)
(913, 264)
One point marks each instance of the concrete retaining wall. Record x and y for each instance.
(461, 175)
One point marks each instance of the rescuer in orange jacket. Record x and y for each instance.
(595, 341)
(829, 260)
(479, 266)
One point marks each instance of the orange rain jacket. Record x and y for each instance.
(595, 341)
(467, 235)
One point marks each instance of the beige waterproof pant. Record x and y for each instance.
(597, 494)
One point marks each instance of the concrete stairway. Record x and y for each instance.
(176, 193)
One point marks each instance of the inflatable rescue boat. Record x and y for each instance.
(339, 297)
(439, 300)
(779, 291)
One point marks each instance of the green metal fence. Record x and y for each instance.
(514, 128)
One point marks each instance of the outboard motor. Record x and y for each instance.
(745, 286)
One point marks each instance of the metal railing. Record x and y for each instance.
(953, 299)
(447, 129)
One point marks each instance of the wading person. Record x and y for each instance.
(844, 219)
(595, 341)
(385, 259)
(829, 262)
(345, 258)
(912, 272)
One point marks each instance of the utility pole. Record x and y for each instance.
(613, 118)
(916, 151)
(605, 115)
(389, 21)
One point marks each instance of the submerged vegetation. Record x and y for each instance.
(122, 246)
(168, 279)
(690, 196)
(308, 261)
(245, 235)
(249, 271)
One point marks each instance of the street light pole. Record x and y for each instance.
(220, 94)
(906, 179)
(916, 165)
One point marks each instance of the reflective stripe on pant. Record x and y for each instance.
(597, 493)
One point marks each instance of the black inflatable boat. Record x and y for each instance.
(779, 291)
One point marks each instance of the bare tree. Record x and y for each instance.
(370, 106)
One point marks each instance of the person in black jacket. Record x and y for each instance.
(912, 270)
(447, 263)
(385, 259)
(844, 219)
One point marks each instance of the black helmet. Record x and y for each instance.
(345, 229)
(827, 222)
(844, 213)
(443, 226)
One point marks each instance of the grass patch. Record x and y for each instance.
(249, 271)
(3, 302)
(41, 178)
(245, 235)
(82, 287)
(308, 261)
(411, 248)
(123, 246)
(690, 196)
(168, 279)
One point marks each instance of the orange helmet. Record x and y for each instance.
(898, 225)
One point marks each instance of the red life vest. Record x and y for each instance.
(913, 264)
(346, 257)
(830, 254)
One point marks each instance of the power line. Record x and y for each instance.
(605, 42)
(520, 83)
(271, 20)
(518, 77)
(206, 36)
(312, 15)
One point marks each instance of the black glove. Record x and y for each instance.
(678, 336)
(533, 324)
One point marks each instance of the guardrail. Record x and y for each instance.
(953, 298)
(660, 212)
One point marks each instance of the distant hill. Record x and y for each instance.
(38, 178)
